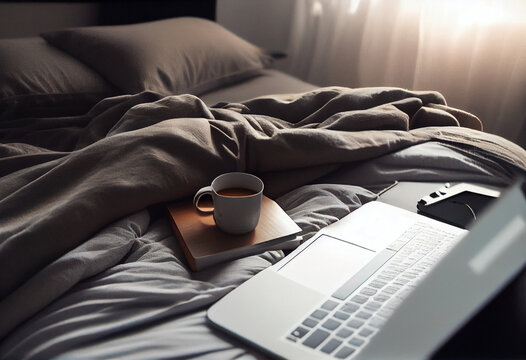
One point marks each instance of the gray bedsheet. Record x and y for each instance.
(89, 289)
(270, 81)
(149, 305)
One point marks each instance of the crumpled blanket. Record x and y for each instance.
(140, 291)
(61, 180)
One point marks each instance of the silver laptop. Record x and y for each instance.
(382, 282)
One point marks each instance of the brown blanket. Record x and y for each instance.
(61, 180)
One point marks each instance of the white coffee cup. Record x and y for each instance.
(236, 198)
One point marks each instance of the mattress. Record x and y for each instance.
(270, 81)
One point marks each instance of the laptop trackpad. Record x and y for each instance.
(326, 264)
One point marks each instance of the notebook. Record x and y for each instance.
(204, 244)
(382, 282)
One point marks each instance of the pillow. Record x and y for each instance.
(174, 56)
(36, 79)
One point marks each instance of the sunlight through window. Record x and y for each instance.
(317, 8)
(353, 6)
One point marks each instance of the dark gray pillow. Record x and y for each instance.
(174, 56)
(37, 79)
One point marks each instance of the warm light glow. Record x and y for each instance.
(471, 51)
(353, 6)
(317, 8)
(465, 13)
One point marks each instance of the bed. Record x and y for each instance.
(100, 127)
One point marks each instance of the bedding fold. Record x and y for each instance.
(149, 289)
(140, 150)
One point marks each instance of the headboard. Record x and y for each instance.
(29, 18)
(128, 12)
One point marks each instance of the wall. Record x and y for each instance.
(263, 22)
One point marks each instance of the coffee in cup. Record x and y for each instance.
(236, 199)
(236, 192)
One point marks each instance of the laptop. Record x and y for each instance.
(382, 282)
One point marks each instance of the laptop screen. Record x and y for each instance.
(474, 272)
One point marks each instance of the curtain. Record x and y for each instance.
(472, 51)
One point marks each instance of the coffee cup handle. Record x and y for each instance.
(207, 190)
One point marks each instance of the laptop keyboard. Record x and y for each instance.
(341, 326)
